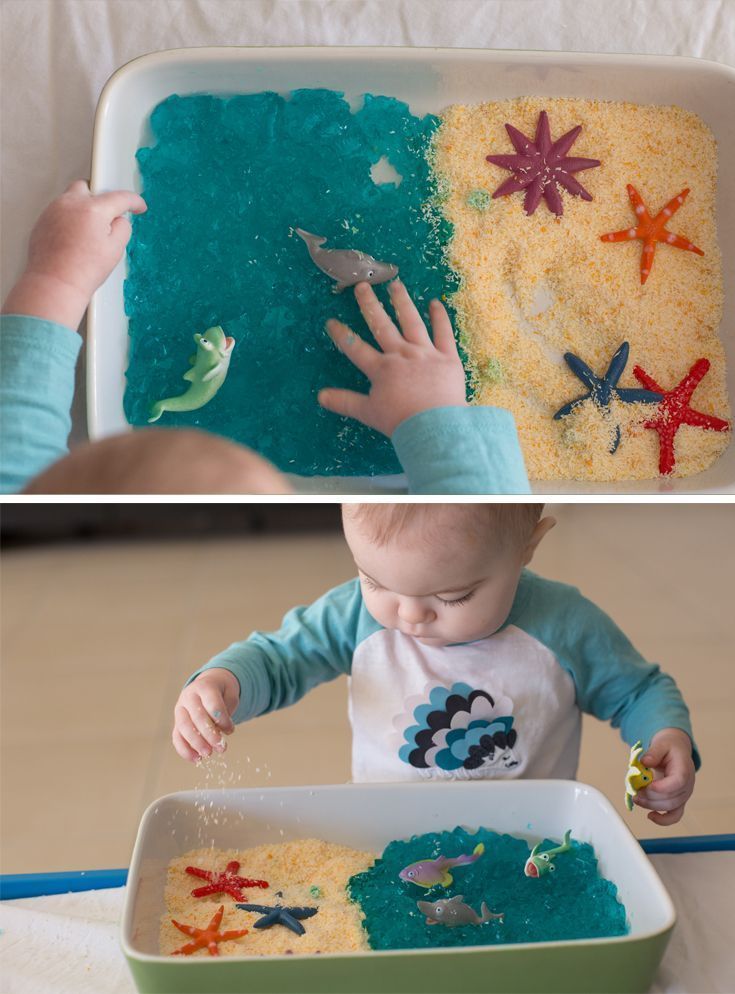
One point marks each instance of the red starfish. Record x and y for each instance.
(223, 883)
(652, 229)
(674, 410)
(206, 937)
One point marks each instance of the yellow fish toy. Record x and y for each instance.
(638, 775)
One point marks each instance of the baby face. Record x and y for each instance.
(455, 589)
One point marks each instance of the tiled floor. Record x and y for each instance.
(98, 639)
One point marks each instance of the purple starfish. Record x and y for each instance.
(540, 165)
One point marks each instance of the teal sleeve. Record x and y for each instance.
(461, 450)
(37, 360)
(612, 679)
(313, 645)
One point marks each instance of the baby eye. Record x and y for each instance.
(369, 583)
(458, 601)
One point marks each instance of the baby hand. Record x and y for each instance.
(202, 714)
(670, 755)
(411, 374)
(80, 238)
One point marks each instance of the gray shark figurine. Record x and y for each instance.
(346, 266)
(453, 912)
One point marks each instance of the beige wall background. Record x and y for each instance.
(97, 640)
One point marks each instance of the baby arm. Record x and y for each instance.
(418, 399)
(616, 683)
(76, 242)
(268, 671)
(75, 245)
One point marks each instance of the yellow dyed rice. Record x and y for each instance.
(290, 867)
(533, 288)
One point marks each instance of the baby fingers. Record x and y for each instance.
(119, 202)
(666, 817)
(384, 331)
(662, 802)
(196, 728)
(348, 403)
(411, 322)
(183, 748)
(360, 354)
(442, 328)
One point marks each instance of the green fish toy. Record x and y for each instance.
(209, 367)
(538, 864)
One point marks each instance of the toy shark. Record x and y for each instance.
(430, 872)
(346, 266)
(539, 864)
(453, 912)
(209, 367)
(638, 775)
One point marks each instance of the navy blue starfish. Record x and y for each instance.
(602, 390)
(280, 915)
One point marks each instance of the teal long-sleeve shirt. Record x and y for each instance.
(556, 656)
(446, 450)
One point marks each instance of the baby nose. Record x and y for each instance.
(415, 612)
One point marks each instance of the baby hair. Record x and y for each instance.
(507, 523)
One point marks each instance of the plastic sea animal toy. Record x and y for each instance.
(209, 366)
(346, 266)
(280, 915)
(638, 775)
(432, 872)
(539, 864)
(453, 912)
(603, 389)
(652, 229)
(674, 411)
(541, 166)
(206, 938)
(226, 882)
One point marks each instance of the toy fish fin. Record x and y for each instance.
(447, 880)
(189, 375)
(456, 899)
(156, 410)
(309, 237)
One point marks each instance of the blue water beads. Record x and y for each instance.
(573, 902)
(226, 182)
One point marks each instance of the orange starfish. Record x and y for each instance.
(206, 937)
(652, 229)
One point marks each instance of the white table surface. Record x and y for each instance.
(57, 54)
(68, 943)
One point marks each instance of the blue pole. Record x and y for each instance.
(16, 885)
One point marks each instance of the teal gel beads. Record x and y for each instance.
(573, 902)
(226, 182)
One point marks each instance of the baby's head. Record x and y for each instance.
(442, 573)
(161, 461)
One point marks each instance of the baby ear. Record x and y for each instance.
(542, 528)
